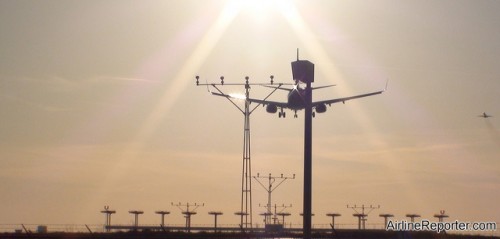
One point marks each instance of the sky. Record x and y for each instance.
(99, 106)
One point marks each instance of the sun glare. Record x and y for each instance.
(172, 93)
(259, 10)
(238, 96)
(253, 4)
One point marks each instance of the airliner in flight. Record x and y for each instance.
(484, 115)
(295, 100)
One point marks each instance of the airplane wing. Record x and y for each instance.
(228, 96)
(485, 116)
(263, 102)
(278, 87)
(288, 89)
(268, 102)
(321, 87)
(343, 100)
(314, 104)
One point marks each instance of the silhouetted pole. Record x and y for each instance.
(333, 215)
(302, 214)
(215, 214)
(308, 162)
(108, 217)
(162, 213)
(303, 71)
(386, 216)
(136, 214)
(412, 217)
(310, 223)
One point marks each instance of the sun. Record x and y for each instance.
(260, 11)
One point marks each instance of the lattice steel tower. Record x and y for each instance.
(246, 176)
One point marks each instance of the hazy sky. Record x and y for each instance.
(99, 106)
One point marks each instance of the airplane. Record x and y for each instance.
(295, 100)
(484, 115)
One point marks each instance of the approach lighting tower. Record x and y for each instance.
(386, 217)
(274, 216)
(362, 215)
(283, 215)
(333, 215)
(246, 176)
(412, 216)
(242, 215)
(136, 216)
(280, 213)
(215, 214)
(271, 186)
(188, 212)
(108, 217)
(162, 213)
(302, 214)
(441, 216)
(267, 217)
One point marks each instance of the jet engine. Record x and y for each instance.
(271, 108)
(321, 108)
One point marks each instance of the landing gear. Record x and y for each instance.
(281, 114)
(314, 114)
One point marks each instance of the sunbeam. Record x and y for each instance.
(174, 90)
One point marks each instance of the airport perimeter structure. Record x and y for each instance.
(159, 232)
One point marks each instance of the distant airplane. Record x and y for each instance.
(295, 100)
(484, 115)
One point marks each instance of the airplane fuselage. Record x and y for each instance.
(484, 115)
(296, 99)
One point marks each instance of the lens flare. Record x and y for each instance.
(238, 96)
